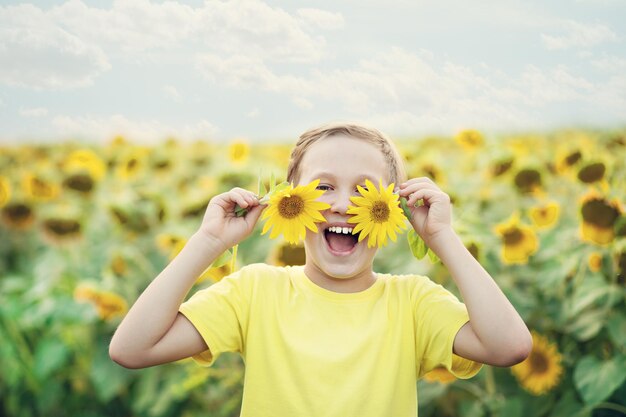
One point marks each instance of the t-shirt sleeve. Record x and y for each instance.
(219, 313)
(438, 317)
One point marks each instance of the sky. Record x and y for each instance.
(269, 70)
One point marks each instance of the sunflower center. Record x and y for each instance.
(512, 236)
(572, 158)
(380, 212)
(290, 207)
(79, 182)
(599, 212)
(292, 255)
(592, 173)
(527, 180)
(538, 363)
(62, 227)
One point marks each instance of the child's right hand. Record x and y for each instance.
(220, 224)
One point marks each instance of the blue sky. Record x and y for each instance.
(268, 70)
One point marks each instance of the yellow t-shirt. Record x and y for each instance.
(309, 351)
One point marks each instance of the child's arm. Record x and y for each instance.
(153, 332)
(495, 334)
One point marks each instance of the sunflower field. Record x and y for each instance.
(85, 228)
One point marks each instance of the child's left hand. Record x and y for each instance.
(435, 215)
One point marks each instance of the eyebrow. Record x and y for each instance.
(330, 175)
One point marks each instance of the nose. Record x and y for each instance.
(340, 202)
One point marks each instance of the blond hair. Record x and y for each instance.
(397, 172)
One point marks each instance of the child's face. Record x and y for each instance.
(341, 163)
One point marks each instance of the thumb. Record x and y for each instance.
(253, 215)
(418, 217)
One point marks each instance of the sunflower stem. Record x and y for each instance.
(490, 383)
(233, 260)
(611, 406)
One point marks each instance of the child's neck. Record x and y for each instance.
(357, 283)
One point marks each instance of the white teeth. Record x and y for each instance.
(337, 229)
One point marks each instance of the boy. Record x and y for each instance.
(332, 337)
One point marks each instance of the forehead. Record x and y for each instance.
(343, 157)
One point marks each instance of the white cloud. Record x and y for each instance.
(250, 27)
(321, 18)
(405, 90)
(103, 128)
(254, 113)
(610, 64)
(303, 103)
(172, 93)
(34, 112)
(35, 53)
(69, 45)
(579, 35)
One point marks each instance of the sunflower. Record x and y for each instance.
(377, 214)
(238, 152)
(5, 191)
(592, 172)
(528, 180)
(566, 159)
(38, 188)
(170, 244)
(519, 241)
(541, 371)
(545, 216)
(118, 265)
(215, 273)
(441, 375)
(595, 261)
(470, 139)
(291, 210)
(108, 304)
(18, 215)
(286, 253)
(85, 160)
(59, 230)
(598, 218)
(80, 181)
(501, 166)
(133, 164)
(474, 249)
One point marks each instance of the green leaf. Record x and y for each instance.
(50, 355)
(405, 208)
(417, 245)
(592, 291)
(272, 181)
(222, 259)
(596, 380)
(512, 407)
(260, 188)
(569, 406)
(432, 256)
(587, 325)
(107, 377)
(281, 186)
(617, 330)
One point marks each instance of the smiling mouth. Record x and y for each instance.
(340, 240)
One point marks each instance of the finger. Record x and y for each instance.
(429, 196)
(252, 217)
(238, 198)
(249, 196)
(416, 180)
(418, 186)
